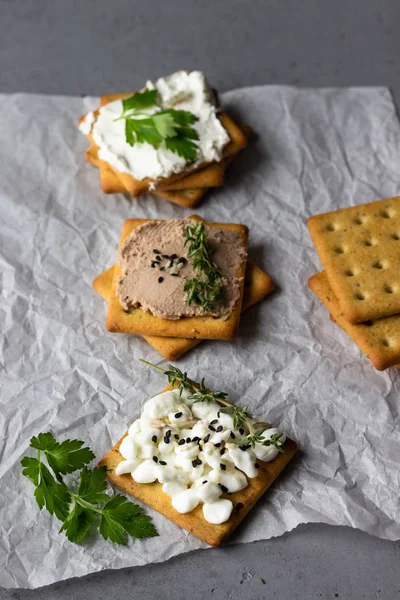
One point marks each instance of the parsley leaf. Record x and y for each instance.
(78, 523)
(170, 126)
(115, 520)
(120, 517)
(92, 484)
(63, 458)
(140, 100)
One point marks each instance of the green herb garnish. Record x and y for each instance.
(170, 127)
(205, 287)
(89, 506)
(240, 414)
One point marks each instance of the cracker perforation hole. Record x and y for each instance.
(388, 289)
(384, 214)
(385, 343)
(369, 243)
(395, 236)
(338, 250)
(358, 221)
(377, 265)
(331, 227)
(359, 296)
(349, 273)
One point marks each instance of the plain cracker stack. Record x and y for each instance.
(360, 250)
(243, 501)
(186, 188)
(257, 285)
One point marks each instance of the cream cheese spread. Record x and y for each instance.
(182, 91)
(195, 451)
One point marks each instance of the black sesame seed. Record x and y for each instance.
(205, 481)
(213, 422)
(218, 414)
(188, 440)
(162, 268)
(165, 255)
(218, 445)
(257, 466)
(222, 466)
(173, 256)
(200, 447)
(177, 415)
(160, 279)
(211, 428)
(222, 451)
(243, 448)
(166, 439)
(239, 505)
(154, 438)
(194, 463)
(168, 433)
(206, 438)
(153, 265)
(241, 431)
(162, 462)
(220, 428)
(233, 435)
(181, 442)
(223, 488)
(155, 459)
(174, 275)
(156, 251)
(158, 258)
(195, 439)
(176, 436)
(181, 260)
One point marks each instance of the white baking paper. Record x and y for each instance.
(315, 150)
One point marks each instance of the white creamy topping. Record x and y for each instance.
(182, 91)
(195, 451)
(85, 126)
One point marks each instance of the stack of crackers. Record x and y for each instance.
(359, 248)
(186, 188)
(173, 338)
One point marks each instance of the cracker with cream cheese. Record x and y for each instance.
(257, 285)
(194, 522)
(140, 322)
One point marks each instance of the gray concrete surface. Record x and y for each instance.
(91, 47)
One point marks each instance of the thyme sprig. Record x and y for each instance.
(205, 287)
(240, 414)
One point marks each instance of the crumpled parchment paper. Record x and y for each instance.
(316, 150)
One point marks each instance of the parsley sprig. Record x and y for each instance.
(170, 127)
(88, 506)
(240, 414)
(205, 287)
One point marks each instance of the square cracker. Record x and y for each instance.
(152, 495)
(379, 340)
(144, 323)
(360, 250)
(257, 285)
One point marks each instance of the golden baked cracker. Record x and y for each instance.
(379, 339)
(360, 250)
(185, 198)
(144, 323)
(212, 176)
(152, 495)
(257, 285)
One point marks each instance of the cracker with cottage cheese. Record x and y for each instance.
(192, 463)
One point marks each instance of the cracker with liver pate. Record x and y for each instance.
(379, 339)
(360, 250)
(257, 285)
(140, 322)
(194, 522)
